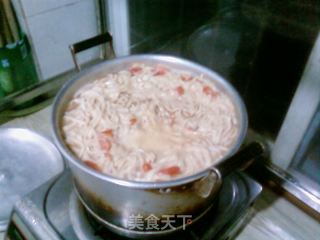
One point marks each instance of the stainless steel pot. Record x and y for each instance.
(113, 201)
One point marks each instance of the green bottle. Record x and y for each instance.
(6, 83)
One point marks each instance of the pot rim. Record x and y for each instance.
(67, 153)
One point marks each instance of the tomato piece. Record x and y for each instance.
(186, 78)
(209, 91)
(146, 167)
(160, 71)
(105, 143)
(108, 133)
(133, 121)
(135, 70)
(172, 171)
(92, 165)
(180, 90)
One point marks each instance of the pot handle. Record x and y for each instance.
(89, 43)
(211, 184)
(242, 159)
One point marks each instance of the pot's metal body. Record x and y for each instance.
(114, 201)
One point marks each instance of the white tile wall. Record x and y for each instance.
(52, 26)
(34, 7)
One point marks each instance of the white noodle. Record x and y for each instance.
(162, 125)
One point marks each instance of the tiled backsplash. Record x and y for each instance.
(35, 7)
(52, 26)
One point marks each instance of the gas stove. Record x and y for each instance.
(53, 211)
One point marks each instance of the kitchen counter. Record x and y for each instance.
(272, 217)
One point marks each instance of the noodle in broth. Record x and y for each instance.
(150, 124)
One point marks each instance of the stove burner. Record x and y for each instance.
(53, 211)
(236, 195)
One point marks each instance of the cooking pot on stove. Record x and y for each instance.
(117, 202)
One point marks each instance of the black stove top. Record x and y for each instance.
(54, 212)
